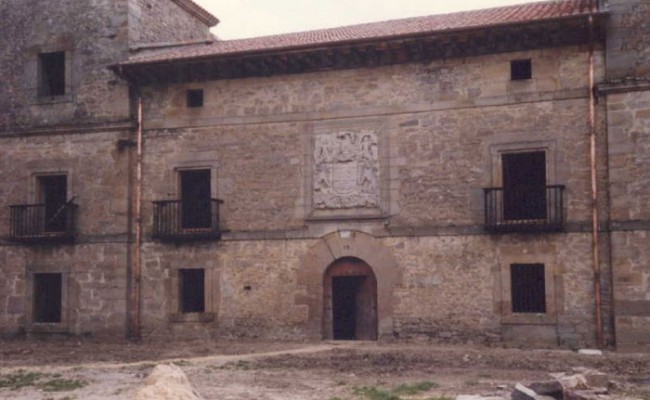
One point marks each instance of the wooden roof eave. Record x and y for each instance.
(382, 45)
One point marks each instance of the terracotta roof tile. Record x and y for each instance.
(523, 13)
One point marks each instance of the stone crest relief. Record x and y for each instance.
(346, 170)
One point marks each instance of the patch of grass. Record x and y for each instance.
(181, 363)
(439, 398)
(144, 367)
(373, 393)
(241, 364)
(62, 385)
(414, 388)
(19, 380)
(471, 382)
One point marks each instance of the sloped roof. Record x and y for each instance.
(511, 15)
(199, 12)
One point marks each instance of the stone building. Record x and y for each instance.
(473, 176)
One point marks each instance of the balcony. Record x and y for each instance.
(42, 223)
(186, 220)
(534, 209)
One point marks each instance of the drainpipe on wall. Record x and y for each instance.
(594, 193)
(137, 265)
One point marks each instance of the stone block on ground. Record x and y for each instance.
(595, 378)
(522, 392)
(548, 388)
(167, 382)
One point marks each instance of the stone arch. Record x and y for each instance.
(333, 247)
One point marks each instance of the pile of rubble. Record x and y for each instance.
(582, 384)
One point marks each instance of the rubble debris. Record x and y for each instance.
(590, 352)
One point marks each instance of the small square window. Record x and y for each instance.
(51, 74)
(521, 69)
(195, 98)
(528, 288)
(192, 290)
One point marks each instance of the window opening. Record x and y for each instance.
(521, 69)
(195, 98)
(53, 192)
(52, 74)
(528, 288)
(524, 185)
(195, 199)
(47, 297)
(192, 290)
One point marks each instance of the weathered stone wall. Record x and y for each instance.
(95, 267)
(628, 39)
(94, 35)
(163, 21)
(440, 129)
(629, 143)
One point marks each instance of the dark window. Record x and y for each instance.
(195, 199)
(528, 288)
(192, 290)
(51, 74)
(524, 185)
(195, 98)
(53, 192)
(521, 69)
(47, 298)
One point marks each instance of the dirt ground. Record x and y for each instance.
(242, 370)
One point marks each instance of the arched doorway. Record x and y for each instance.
(349, 300)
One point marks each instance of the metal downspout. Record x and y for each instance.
(594, 193)
(137, 265)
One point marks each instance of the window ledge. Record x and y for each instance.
(47, 327)
(63, 98)
(528, 319)
(192, 317)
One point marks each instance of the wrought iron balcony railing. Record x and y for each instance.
(186, 220)
(42, 223)
(530, 209)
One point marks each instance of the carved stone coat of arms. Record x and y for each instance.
(346, 170)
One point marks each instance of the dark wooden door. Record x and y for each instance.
(53, 194)
(524, 185)
(195, 199)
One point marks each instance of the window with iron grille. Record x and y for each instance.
(528, 288)
(192, 290)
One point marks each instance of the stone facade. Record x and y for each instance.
(383, 167)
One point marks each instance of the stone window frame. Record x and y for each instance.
(173, 178)
(549, 147)
(33, 71)
(553, 290)
(33, 193)
(211, 279)
(66, 309)
(380, 127)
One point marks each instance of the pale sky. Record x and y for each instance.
(250, 18)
